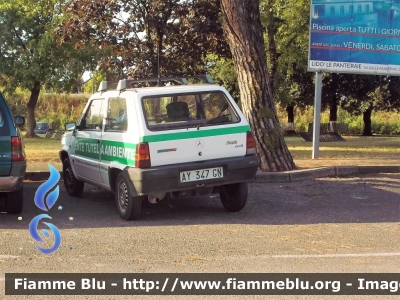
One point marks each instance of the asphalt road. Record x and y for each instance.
(323, 225)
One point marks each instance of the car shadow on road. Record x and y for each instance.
(367, 199)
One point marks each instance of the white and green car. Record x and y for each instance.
(158, 142)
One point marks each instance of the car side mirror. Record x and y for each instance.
(19, 120)
(70, 126)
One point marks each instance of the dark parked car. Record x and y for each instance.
(12, 160)
(42, 127)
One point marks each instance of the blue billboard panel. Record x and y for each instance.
(355, 36)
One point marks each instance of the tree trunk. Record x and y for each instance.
(31, 122)
(367, 122)
(242, 27)
(290, 113)
(333, 111)
(333, 115)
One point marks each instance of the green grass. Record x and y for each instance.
(42, 150)
(360, 147)
(356, 150)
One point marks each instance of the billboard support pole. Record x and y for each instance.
(317, 114)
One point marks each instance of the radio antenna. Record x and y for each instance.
(158, 61)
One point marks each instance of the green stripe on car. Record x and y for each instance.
(194, 134)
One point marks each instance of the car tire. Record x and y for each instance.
(234, 196)
(49, 133)
(128, 205)
(73, 186)
(15, 201)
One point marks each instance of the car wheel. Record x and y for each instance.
(73, 186)
(15, 201)
(234, 196)
(129, 206)
(49, 133)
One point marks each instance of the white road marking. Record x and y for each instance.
(8, 256)
(337, 255)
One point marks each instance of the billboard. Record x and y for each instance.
(355, 36)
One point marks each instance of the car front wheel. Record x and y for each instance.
(73, 186)
(234, 196)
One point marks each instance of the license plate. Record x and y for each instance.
(203, 174)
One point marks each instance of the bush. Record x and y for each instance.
(57, 109)
(382, 122)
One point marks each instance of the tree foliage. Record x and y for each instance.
(30, 58)
(294, 84)
(360, 94)
(92, 84)
(136, 31)
(223, 72)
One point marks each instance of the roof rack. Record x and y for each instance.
(106, 85)
(126, 83)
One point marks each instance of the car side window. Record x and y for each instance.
(1, 120)
(93, 117)
(117, 119)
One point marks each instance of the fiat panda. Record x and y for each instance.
(171, 140)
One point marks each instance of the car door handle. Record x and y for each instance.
(98, 141)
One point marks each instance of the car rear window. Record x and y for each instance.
(167, 112)
(4, 127)
(42, 125)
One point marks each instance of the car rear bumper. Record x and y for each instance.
(167, 178)
(13, 182)
(10, 183)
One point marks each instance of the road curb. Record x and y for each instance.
(288, 176)
(382, 169)
(307, 174)
(300, 175)
(344, 171)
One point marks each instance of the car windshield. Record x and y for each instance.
(168, 112)
(42, 125)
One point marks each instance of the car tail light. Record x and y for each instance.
(250, 144)
(142, 158)
(17, 151)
